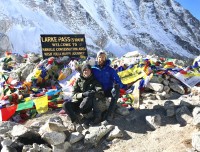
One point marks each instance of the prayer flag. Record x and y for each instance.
(41, 104)
(7, 113)
(25, 105)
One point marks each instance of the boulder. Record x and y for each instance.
(95, 134)
(196, 141)
(6, 126)
(155, 86)
(170, 108)
(183, 116)
(75, 137)
(115, 133)
(54, 138)
(156, 79)
(153, 121)
(196, 116)
(64, 147)
(177, 88)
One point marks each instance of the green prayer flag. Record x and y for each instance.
(25, 105)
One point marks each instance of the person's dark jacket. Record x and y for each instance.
(86, 84)
(107, 76)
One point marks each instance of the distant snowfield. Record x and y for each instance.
(28, 23)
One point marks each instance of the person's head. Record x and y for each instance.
(86, 70)
(101, 57)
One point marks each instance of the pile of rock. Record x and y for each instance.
(57, 134)
(186, 110)
(163, 87)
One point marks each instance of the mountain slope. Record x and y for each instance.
(162, 27)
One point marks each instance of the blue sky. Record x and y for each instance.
(192, 5)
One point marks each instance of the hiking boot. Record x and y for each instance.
(96, 121)
(110, 117)
(86, 123)
(77, 124)
(78, 127)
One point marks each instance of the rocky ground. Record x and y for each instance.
(133, 130)
(139, 137)
(168, 133)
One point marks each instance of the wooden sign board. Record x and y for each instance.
(73, 45)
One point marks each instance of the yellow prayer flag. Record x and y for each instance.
(37, 73)
(132, 74)
(41, 104)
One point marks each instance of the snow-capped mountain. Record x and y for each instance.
(162, 27)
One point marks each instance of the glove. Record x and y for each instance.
(114, 90)
(100, 95)
(89, 93)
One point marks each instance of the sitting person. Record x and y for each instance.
(109, 79)
(86, 95)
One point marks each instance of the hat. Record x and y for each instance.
(101, 52)
(86, 66)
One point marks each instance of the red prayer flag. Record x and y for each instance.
(7, 113)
